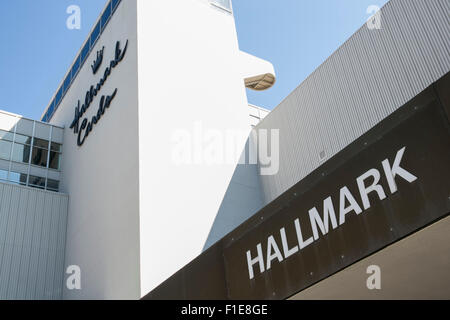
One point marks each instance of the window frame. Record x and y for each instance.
(8, 158)
(25, 146)
(18, 182)
(52, 189)
(7, 133)
(30, 139)
(45, 158)
(6, 177)
(36, 185)
(59, 156)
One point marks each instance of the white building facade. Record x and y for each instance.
(144, 157)
(164, 81)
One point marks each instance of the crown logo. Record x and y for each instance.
(97, 63)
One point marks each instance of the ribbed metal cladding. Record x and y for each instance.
(372, 74)
(32, 243)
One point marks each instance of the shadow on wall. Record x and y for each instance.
(242, 200)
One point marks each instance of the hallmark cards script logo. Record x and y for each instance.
(86, 126)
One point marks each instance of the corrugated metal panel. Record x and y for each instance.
(32, 242)
(371, 75)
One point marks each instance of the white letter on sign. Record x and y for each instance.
(364, 191)
(396, 170)
(259, 259)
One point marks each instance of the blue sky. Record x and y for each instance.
(295, 35)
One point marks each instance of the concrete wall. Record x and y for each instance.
(244, 196)
(242, 200)
(190, 80)
(372, 74)
(101, 176)
(32, 242)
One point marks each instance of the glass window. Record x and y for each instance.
(39, 157)
(6, 135)
(58, 97)
(67, 82)
(38, 182)
(52, 185)
(20, 138)
(85, 51)
(95, 34)
(55, 159)
(115, 3)
(19, 178)
(40, 143)
(50, 110)
(21, 153)
(56, 147)
(76, 67)
(226, 4)
(106, 15)
(5, 149)
(3, 175)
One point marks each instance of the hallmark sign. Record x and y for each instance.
(392, 181)
(83, 129)
(334, 212)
